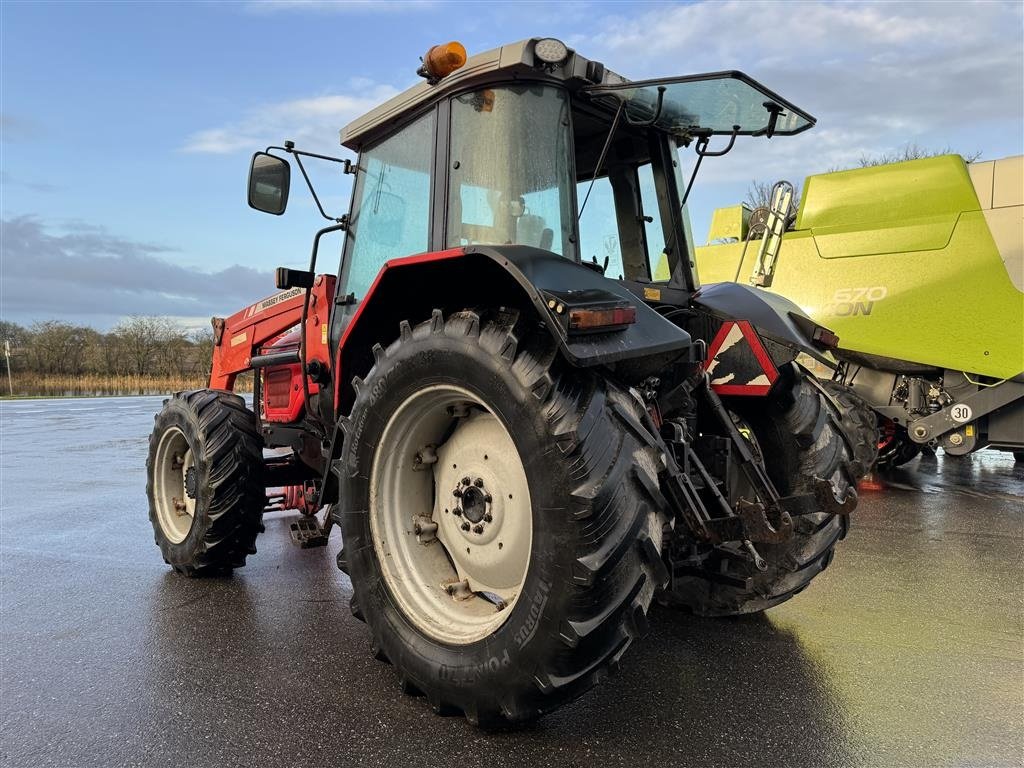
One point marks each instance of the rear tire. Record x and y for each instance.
(796, 432)
(595, 530)
(860, 424)
(205, 487)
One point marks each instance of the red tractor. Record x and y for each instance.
(522, 447)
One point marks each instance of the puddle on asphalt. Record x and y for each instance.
(985, 474)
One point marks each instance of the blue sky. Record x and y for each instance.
(127, 128)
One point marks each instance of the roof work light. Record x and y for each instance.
(550, 51)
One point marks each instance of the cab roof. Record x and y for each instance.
(511, 59)
(685, 106)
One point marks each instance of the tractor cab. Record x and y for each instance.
(514, 147)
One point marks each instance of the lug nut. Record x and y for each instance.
(479, 482)
(487, 498)
(478, 529)
(488, 518)
(465, 481)
(457, 511)
(465, 526)
(457, 493)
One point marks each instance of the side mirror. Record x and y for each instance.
(269, 179)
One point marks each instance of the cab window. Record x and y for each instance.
(508, 169)
(391, 215)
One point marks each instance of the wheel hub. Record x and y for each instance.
(474, 501)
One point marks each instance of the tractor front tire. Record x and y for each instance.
(205, 487)
(797, 435)
(500, 528)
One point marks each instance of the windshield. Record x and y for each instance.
(700, 104)
(509, 169)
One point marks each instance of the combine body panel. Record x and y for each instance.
(919, 267)
(920, 261)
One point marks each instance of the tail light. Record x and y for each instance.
(585, 319)
(823, 337)
(590, 311)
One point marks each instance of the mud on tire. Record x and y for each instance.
(799, 437)
(205, 450)
(594, 560)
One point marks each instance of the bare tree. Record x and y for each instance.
(58, 347)
(202, 349)
(18, 338)
(139, 346)
(14, 333)
(111, 357)
(910, 151)
(759, 194)
(173, 351)
(142, 339)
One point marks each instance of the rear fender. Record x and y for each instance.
(752, 334)
(494, 276)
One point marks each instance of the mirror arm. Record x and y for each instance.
(312, 191)
(289, 147)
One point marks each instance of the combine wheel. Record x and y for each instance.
(796, 436)
(501, 539)
(895, 448)
(206, 495)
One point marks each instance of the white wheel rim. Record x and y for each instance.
(456, 585)
(175, 508)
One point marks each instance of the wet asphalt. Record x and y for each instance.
(908, 651)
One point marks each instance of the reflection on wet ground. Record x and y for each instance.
(908, 651)
(987, 474)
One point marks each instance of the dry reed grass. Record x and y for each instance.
(35, 385)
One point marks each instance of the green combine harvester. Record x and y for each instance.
(918, 267)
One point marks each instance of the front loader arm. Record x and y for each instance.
(238, 338)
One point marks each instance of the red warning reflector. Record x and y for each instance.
(738, 363)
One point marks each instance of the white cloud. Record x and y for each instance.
(312, 122)
(879, 74)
